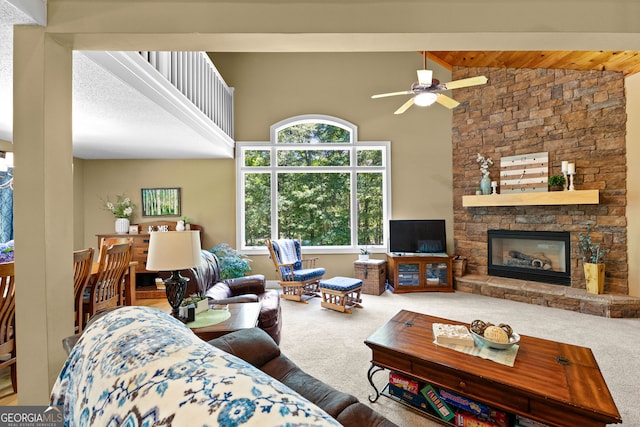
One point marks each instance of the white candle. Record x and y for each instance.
(565, 166)
(571, 168)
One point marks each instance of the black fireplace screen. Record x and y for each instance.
(541, 256)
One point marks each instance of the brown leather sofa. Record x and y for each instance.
(206, 279)
(255, 347)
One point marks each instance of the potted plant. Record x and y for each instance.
(232, 263)
(187, 222)
(122, 209)
(593, 262)
(364, 254)
(200, 302)
(557, 182)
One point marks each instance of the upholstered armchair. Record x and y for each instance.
(205, 279)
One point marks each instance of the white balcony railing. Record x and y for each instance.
(195, 76)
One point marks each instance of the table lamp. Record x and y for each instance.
(174, 251)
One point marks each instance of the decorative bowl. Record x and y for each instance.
(482, 341)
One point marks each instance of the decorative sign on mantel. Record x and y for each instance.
(524, 173)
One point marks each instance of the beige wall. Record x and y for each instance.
(207, 193)
(632, 86)
(78, 204)
(271, 87)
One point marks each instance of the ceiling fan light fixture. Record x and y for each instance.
(425, 99)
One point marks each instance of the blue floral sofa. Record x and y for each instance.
(138, 366)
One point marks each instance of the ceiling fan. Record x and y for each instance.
(427, 90)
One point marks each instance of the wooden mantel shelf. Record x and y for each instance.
(575, 197)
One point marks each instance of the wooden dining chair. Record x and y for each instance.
(7, 321)
(116, 240)
(107, 284)
(82, 263)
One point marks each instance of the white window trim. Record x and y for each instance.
(272, 147)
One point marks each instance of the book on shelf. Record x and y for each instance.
(447, 334)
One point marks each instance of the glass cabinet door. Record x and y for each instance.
(436, 274)
(408, 274)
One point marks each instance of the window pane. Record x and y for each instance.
(307, 133)
(314, 207)
(369, 157)
(370, 219)
(257, 158)
(257, 205)
(313, 157)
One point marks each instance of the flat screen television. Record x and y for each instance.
(417, 236)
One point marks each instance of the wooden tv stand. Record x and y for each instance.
(554, 383)
(420, 273)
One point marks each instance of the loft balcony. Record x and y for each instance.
(125, 93)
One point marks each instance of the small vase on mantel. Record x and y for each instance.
(122, 225)
(485, 185)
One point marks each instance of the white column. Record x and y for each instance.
(43, 209)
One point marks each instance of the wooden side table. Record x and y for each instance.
(373, 274)
(243, 316)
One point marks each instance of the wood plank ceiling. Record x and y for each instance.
(625, 61)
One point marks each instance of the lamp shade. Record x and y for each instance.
(173, 250)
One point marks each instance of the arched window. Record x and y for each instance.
(312, 181)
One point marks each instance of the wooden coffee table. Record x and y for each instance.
(555, 383)
(243, 316)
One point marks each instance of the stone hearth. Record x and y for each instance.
(566, 298)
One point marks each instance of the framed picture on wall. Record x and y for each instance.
(161, 202)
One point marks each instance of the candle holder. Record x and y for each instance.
(566, 181)
(494, 186)
(571, 187)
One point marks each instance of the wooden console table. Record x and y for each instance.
(140, 249)
(551, 382)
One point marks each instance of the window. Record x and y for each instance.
(313, 180)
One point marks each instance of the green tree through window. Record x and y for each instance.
(313, 181)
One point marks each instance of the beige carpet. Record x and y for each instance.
(330, 345)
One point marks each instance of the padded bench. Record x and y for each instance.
(341, 293)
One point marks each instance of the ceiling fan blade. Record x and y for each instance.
(471, 81)
(383, 95)
(445, 101)
(425, 77)
(404, 107)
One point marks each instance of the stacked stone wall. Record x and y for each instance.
(577, 116)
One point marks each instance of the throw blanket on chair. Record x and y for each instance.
(288, 252)
(138, 366)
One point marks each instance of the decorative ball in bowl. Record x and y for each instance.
(484, 341)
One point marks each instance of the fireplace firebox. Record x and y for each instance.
(540, 256)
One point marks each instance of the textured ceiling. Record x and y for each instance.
(9, 16)
(111, 120)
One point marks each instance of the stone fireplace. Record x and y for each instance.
(577, 116)
(540, 256)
